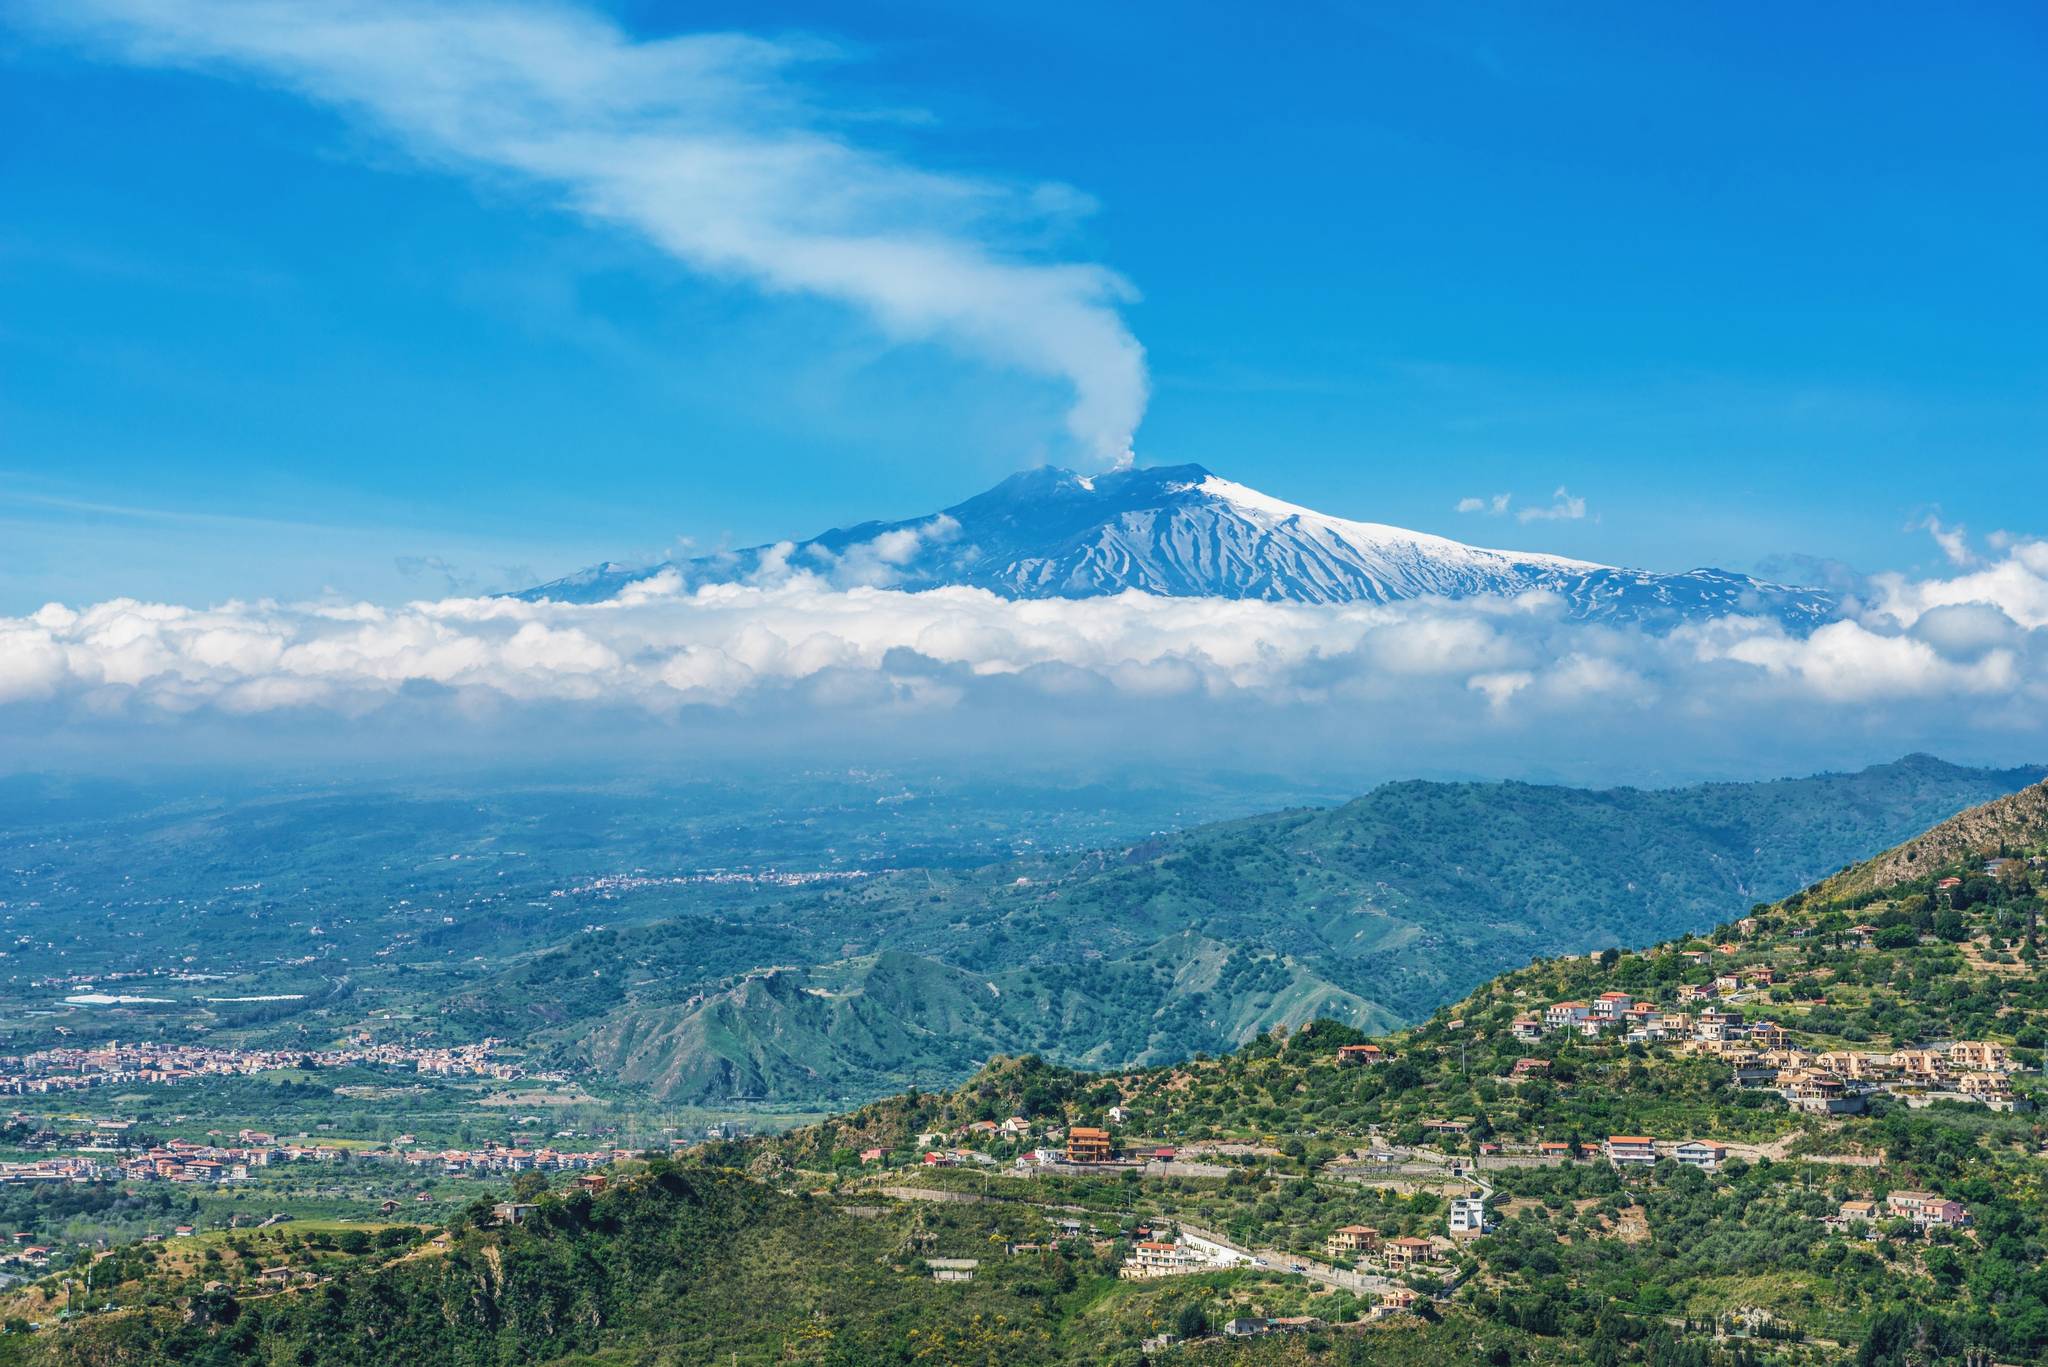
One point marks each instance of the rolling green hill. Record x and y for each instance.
(820, 1255)
(837, 1029)
(1375, 913)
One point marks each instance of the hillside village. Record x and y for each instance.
(1345, 684)
(1738, 1147)
(1787, 1047)
(151, 1064)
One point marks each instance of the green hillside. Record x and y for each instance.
(1832, 984)
(1997, 827)
(839, 1029)
(688, 1264)
(1374, 913)
(823, 1253)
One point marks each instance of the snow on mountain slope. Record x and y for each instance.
(1181, 531)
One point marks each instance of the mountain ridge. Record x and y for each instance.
(1727, 1221)
(1980, 831)
(1182, 531)
(1375, 911)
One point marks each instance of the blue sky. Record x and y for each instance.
(1750, 284)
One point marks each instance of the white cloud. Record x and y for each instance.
(32, 663)
(1500, 689)
(2017, 585)
(707, 145)
(1944, 645)
(1847, 662)
(804, 660)
(1954, 541)
(1563, 507)
(877, 563)
(1584, 676)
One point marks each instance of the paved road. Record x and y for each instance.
(1276, 1260)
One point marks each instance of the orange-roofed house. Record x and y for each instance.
(1408, 1251)
(1086, 1144)
(1610, 1005)
(1351, 1240)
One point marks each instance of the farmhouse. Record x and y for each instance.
(1926, 1210)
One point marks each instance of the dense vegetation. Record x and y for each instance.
(684, 1264)
(798, 1249)
(1373, 913)
(564, 914)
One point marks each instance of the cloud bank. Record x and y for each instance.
(709, 146)
(1942, 662)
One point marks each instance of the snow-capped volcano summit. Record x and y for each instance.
(1180, 531)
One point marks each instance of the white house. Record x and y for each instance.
(1611, 1005)
(1698, 1153)
(1631, 1151)
(1565, 1015)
